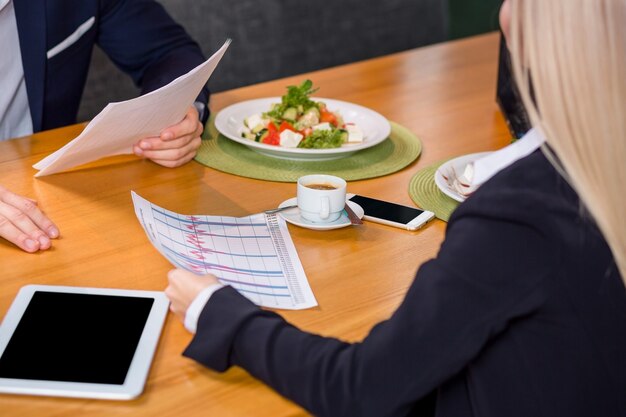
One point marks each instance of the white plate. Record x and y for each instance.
(293, 216)
(446, 173)
(375, 128)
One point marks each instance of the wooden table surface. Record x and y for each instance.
(444, 93)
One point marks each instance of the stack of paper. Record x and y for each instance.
(120, 125)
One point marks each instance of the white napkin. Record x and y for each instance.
(478, 172)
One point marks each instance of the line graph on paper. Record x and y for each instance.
(253, 254)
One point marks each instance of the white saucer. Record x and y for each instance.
(293, 216)
(450, 170)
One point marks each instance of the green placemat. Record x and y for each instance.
(425, 193)
(399, 150)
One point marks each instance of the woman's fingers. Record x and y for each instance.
(184, 287)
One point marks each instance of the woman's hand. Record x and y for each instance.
(176, 145)
(184, 288)
(24, 224)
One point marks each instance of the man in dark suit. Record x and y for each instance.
(56, 40)
(47, 47)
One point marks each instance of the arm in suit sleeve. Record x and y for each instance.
(143, 40)
(487, 273)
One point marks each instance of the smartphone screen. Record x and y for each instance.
(385, 210)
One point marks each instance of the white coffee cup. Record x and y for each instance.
(321, 198)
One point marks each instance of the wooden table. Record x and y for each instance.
(444, 93)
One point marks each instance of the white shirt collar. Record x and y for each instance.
(478, 172)
(495, 162)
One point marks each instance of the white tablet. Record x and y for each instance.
(80, 342)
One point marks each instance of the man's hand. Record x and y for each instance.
(184, 288)
(176, 145)
(22, 223)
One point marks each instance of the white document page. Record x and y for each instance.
(119, 126)
(254, 254)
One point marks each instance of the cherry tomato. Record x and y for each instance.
(286, 126)
(326, 116)
(273, 136)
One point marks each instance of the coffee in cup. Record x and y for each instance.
(321, 198)
(324, 186)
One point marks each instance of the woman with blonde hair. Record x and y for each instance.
(538, 329)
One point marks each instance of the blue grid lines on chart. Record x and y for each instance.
(240, 251)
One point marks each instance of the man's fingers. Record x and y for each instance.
(187, 126)
(177, 144)
(24, 224)
(175, 157)
(27, 213)
(156, 144)
(176, 163)
(14, 235)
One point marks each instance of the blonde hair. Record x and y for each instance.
(569, 59)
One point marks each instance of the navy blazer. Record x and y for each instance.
(522, 314)
(138, 35)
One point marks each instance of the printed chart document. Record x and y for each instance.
(254, 254)
(120, 125)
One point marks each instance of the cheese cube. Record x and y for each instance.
(253, 121)
(322, 126)
(355, 135)
(290, 139)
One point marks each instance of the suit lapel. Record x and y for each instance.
(31, 27)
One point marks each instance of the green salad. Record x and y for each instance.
(300, 122)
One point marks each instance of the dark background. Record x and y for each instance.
(470, 17)
(278, 38)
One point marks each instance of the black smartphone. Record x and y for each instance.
(392, 214)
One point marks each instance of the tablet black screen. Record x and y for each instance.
(76, 338)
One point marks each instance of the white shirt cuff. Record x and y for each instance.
(197, 305)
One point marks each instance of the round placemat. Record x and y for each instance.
(399, 150)
(425, 193)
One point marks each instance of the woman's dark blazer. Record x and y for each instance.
(521, 314)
